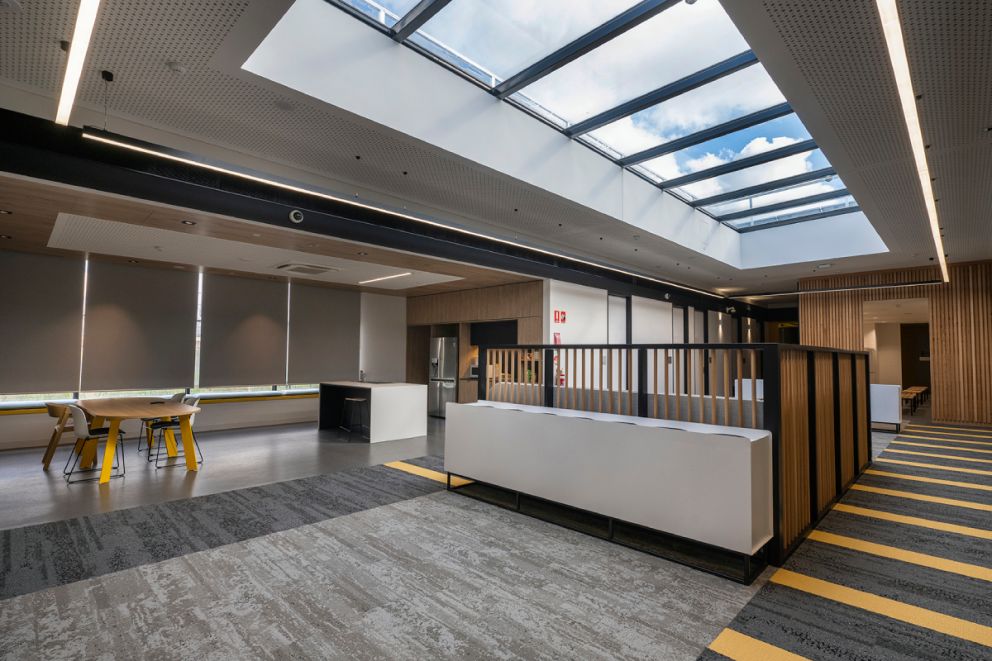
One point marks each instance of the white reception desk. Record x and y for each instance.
(703, 482)
(395, 410)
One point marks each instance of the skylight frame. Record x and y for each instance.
(599, 35)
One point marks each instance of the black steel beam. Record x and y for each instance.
(720, 130)
(787, 204)
(614, 27)
(800, 219)
(757, 189)
(662, 94)
(416, 17)
(740, 164)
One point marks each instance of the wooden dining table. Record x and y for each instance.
(117, 409)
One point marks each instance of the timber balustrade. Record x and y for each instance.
(813, 400)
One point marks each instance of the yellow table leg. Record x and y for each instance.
(170, 443)
(88, 456)
(188, 448)
(108, 455)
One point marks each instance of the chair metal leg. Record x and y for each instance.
(119, 465)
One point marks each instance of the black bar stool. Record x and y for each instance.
(355, 407)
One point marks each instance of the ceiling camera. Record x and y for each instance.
(296, 216)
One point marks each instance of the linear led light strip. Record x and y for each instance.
(385, 277)
(80, 43)
(833, 290)
(892, 28)
(397, 214)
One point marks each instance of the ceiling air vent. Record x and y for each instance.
(304, 269)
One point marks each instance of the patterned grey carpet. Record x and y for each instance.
(820, 628)
(51, 554)
(438, 576)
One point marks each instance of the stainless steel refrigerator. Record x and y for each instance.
(443, 377)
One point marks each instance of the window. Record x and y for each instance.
(756, 174)
(386, 12)
(838, 205)
(827, 184)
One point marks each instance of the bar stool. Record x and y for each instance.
(84, 434)
(355, 406)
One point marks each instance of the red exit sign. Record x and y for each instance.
(559, 316)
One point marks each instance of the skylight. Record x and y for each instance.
(666, 88)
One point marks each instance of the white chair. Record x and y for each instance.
(84, 434)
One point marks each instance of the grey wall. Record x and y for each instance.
(324, 331)
(140, 327)
(40, 322)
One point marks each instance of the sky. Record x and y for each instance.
(494, 39)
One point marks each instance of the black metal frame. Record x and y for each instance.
(766, 187)
(596, 37)
(788, 204)
(699, 137)
(119, 467)
(664, 93)
(410, 22)
(740, 164)
(799, 219)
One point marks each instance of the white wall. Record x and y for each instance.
(889, 343)
(586, 317)
(651, 321)
(382, 343)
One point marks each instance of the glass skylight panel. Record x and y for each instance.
(794, 213)
(677, 42)
(496, 39)
(741, 93)
(386, 12)
(740, 144)
(797, 192)
(756, 174)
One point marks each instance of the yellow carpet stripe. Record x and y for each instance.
(923, 497)
(914, 521)
(913, 615)
(930, 480)
(983, 432)
(943, 447)
(949, 440)
(427, 472)
(939, 456)
(912, 557)
(953, 469)
(737, 646)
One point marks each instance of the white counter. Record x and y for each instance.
(708, 483)
(395, 410)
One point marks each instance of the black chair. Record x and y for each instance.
(148, 433)
(84, 434)
(355, 407)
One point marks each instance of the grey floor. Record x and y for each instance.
(233, 460)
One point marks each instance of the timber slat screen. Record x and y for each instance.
(813, 400)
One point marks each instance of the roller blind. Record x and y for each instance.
(243, 332)
(41, 312)
(140, 327)
(323, 334)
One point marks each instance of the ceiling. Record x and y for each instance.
(48, 217)
(827, 58)
(898, 311)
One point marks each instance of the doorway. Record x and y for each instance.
(897, 338)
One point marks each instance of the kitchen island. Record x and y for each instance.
(394, 410)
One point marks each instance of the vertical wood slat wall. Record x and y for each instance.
(793, 465)
(960, 329)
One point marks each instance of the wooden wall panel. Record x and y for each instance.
(826, 467)
(515, 301)
(845, 392)
(960, 329)
(418, 347)
(794, 512)
(861, 431)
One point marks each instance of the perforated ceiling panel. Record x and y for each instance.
(830, 60)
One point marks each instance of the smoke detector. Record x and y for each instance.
(306, 269)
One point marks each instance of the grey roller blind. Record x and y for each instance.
(140, 327)
(243, 332)
(41, 313)
(323, 334)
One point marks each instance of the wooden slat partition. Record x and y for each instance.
(815, 404)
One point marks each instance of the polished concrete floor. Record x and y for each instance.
(234, 459)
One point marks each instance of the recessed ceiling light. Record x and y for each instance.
(385, 277)
(189, 222)
(132, 261)
(6, 236)
(362, 254)
(5, 212)
(80, 43)
(824, 266)
(888, 12)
